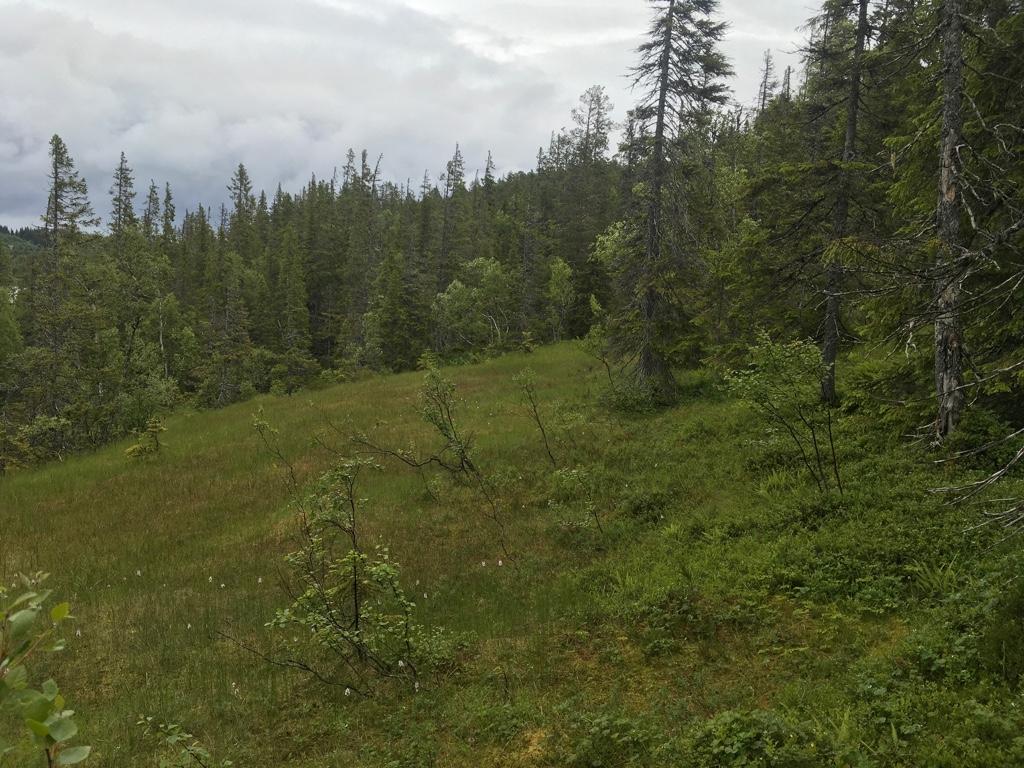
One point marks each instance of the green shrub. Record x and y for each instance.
(603, 741)
(761, 738)
(646, 505)
(27, 631)
(1002, 644)
(627, 395)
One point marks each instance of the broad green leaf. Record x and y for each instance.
(16, 678)
(33, 705)
(73, 755)
(63, 728)
(21, 600)
(21, 622)
(60, 612)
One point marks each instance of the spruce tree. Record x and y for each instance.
(835, 271)
(680, 70)
(122, 201)
(151, 214)
(68, 209)
(294, 315)
(241, 224)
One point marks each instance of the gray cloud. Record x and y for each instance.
(188, 89)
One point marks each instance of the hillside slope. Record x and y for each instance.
(724, 611)
(20, 250)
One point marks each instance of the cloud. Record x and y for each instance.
(189, 89)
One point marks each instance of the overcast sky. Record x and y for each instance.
(190, 88)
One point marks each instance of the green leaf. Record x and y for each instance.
(73, 755)
(21, 622)
(33, 705)
(63, 728)
(38, 728)
(20, 600)
(60, 612)
(16, 678)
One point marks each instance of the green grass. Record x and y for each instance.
(723, 584)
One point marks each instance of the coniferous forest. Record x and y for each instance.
(715, 448)
(871, 199)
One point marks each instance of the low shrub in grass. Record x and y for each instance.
(1002, 644)
(604, 740)
(761, 738)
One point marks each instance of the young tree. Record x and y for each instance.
(560, 295)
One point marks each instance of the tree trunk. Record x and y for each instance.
(836, 271)
(949, 277)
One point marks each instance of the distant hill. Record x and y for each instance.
(23, 243)
(16, 244)
(26, 237)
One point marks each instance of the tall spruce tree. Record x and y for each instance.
(68, 209)
(151, 214)
(841, 213)
(680, 69)
(122, 202)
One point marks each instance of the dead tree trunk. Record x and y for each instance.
(949, 259)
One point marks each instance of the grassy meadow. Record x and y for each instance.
(727, 614)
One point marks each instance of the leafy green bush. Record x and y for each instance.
(27, 629)
(186, 751)
(762, 738)
(1002, 644)
(627, 395)
(149, 441)
(783, 382)
(603, 741)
